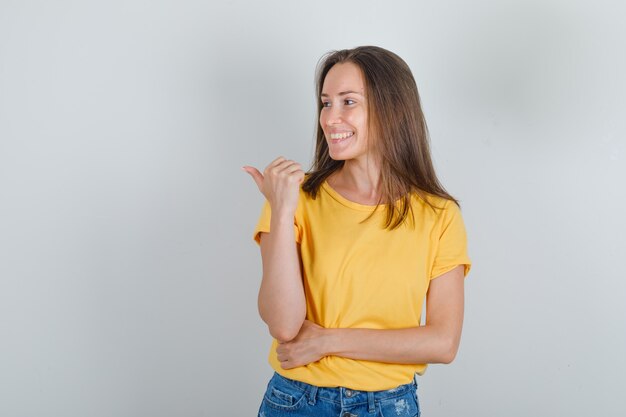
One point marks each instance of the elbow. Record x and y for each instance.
(284, 334)
(448, 351)
(447, 357)
(282, 325)
(286, 330)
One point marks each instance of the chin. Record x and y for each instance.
(339, 157)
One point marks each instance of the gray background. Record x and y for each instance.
(128, 276)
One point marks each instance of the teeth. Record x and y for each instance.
(341, 135)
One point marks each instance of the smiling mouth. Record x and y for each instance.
(342, 135)
(336, 138)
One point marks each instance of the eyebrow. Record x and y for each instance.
(343, 93)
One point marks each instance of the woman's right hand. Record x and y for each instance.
(279, 183)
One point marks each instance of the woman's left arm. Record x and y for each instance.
(435, 342)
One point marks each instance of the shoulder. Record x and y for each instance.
(434, 204)
(434, 212)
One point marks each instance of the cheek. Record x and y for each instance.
(360, 121)
(322, 120)
(362, 126)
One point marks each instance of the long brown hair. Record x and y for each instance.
(403, 143)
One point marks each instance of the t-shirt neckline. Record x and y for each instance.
(348, 203)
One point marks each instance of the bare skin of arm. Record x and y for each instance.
(435, 342)
(281, 301)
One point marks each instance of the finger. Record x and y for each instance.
(277, 161)
(281, 166)
(295, 167)
(276, 165)
(289, 169)
(255, 174)
(299, 173)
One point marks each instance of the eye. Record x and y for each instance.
(325, 103)
(347, 100)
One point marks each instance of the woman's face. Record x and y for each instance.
(343, 117)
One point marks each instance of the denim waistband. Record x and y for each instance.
(342, 395)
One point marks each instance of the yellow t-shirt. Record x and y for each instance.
(365, 276)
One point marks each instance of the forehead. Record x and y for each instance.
(346, 76)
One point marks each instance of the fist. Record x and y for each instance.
(279, 183)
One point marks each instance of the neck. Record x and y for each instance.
(363, 177)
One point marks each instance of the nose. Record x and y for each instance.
(333, 116)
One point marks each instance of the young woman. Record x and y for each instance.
(352, 249)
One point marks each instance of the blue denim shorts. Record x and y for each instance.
(287, 397)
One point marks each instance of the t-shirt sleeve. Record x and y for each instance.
(452, 246)
(263, 225)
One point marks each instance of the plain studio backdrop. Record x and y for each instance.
(128, 274)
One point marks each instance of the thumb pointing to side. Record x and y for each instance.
(255, 174)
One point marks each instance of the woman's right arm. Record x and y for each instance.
(281, 302)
